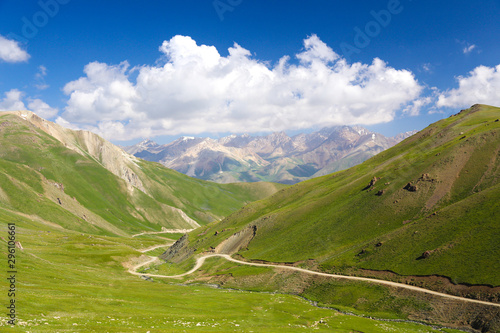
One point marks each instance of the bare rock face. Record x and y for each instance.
(237, 241)
(179, 251)
(87, 143)
(275, 157)
(111, 157)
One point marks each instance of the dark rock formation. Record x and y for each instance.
(410, 187)
(372, 183)
(179, 251)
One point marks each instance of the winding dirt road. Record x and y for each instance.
(201, 260)
(155, 247)
(169, 231)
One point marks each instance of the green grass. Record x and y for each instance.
(332, 219)
(362, 298)
(73, 282)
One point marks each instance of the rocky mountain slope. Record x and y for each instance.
(275, 157)
(77, 180)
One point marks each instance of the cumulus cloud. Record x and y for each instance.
(41, 108)
(480, 86)
(12, 101)
(10, 51)
(197, 90)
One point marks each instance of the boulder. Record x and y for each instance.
(410, 187)
(372, 183)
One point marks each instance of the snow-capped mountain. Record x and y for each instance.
(275, 157)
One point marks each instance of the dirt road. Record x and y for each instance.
(169, 231)
(155, 247)
(201, 260)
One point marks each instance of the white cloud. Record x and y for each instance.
(414, 108)
(197, 90)
(427, 67)
(12, 101)
(41, 108)
(482, 85)
(469, 49)
(10, 51)
(40, 78)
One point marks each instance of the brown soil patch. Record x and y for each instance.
(448, 175)
(438, 283)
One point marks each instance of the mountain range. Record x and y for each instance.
(276, 157)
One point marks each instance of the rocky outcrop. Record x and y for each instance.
(237, 241)
(111, 157)
(410, 187)
(372, 183)
(178, 252)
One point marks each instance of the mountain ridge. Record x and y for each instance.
(80, 181)
(274, 157)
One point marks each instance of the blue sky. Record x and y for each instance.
(129, 70)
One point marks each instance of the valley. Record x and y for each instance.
(250, 166)
(405, 241)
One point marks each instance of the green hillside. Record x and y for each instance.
(428, 206)
(73, 219)
(42, 178)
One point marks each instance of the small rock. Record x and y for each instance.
(410, 187)
(426, 254)
(372, 183)
(379, 244)
(380, 193)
